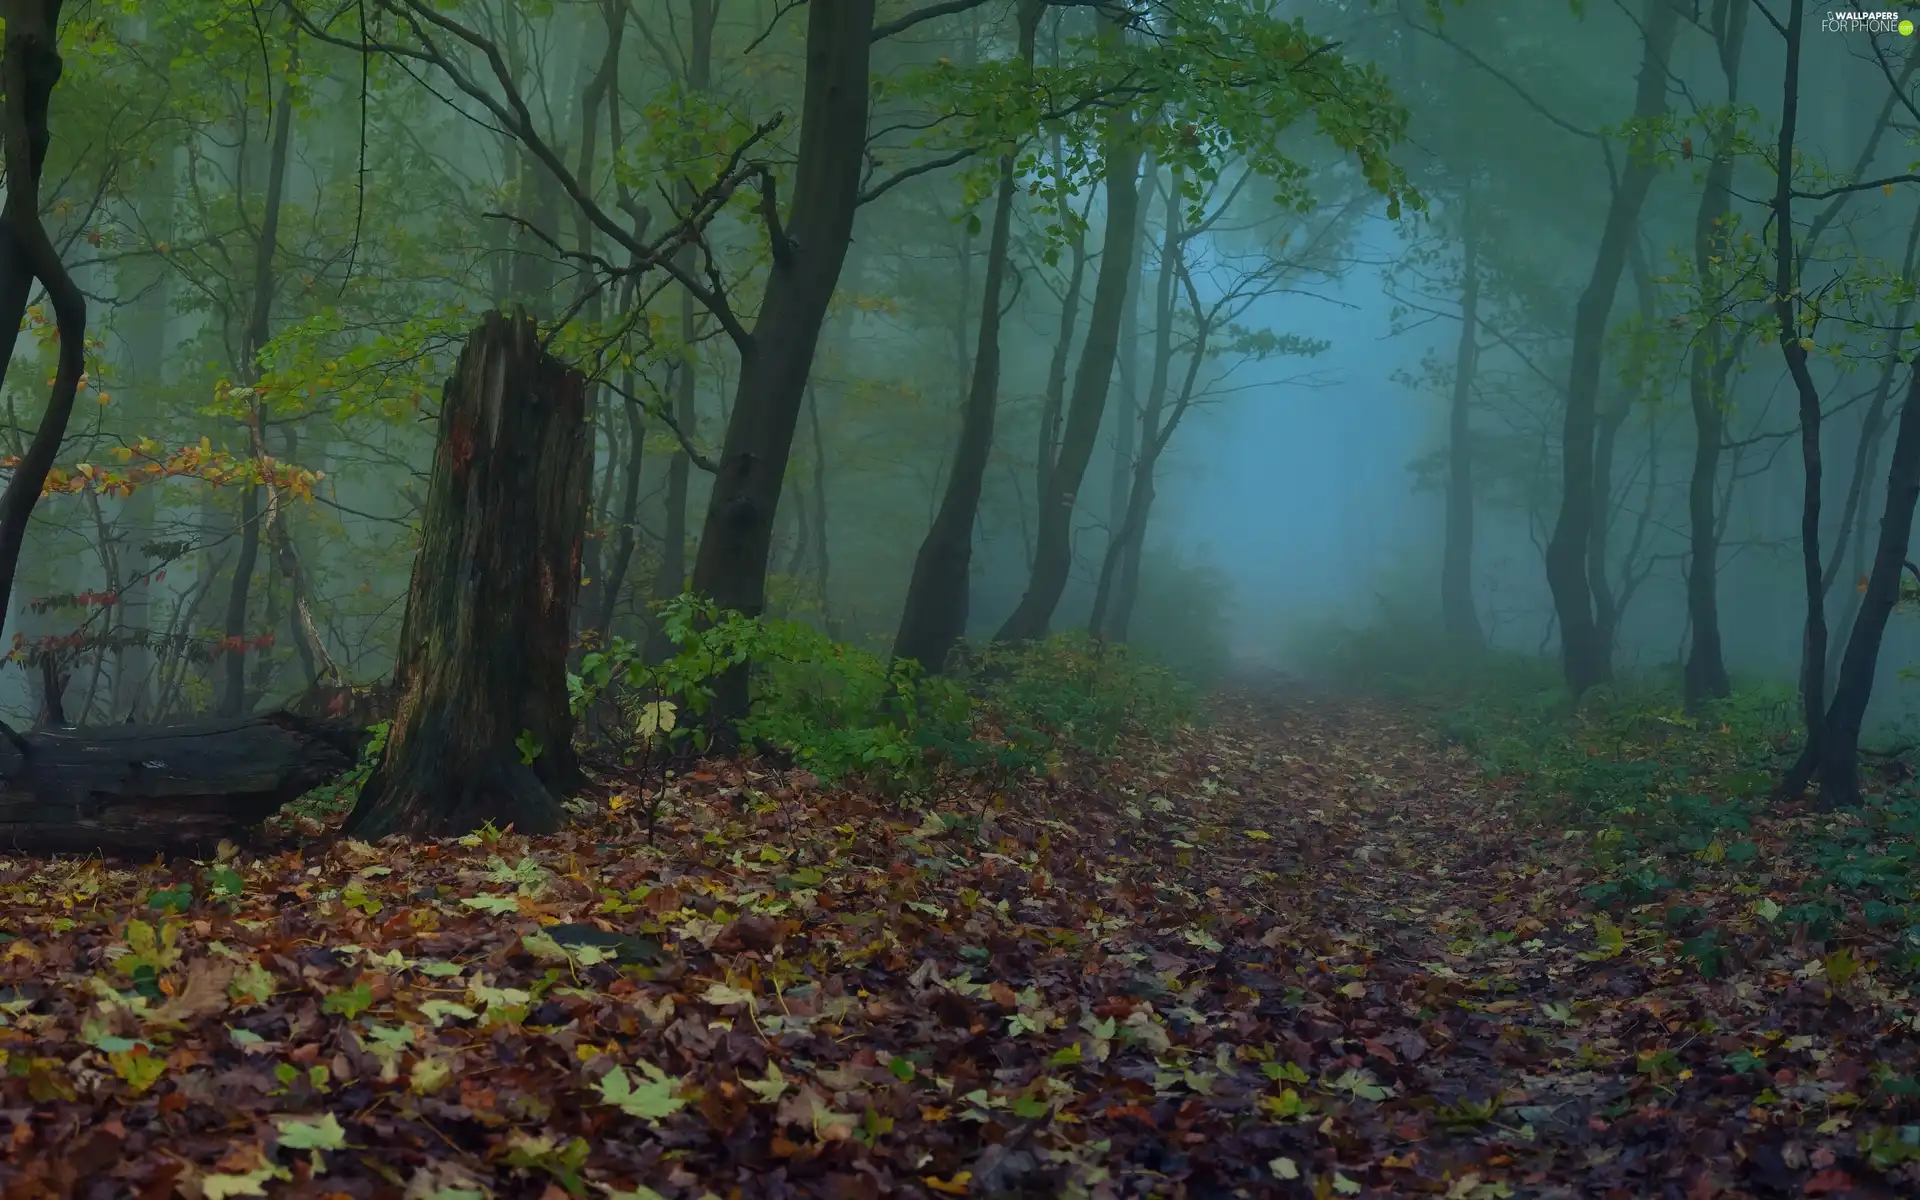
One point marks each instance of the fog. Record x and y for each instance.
(1305, 492)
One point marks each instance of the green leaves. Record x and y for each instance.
(650, 1100)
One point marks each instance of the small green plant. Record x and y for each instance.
(841, 711)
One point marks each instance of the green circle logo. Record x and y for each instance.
(1906, 28)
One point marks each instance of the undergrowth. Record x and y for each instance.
(1661, 805)
(843, 712)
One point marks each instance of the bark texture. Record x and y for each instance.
(935, 617)
(1839, 766)
(139, 790)
(483, 646)
(1053, 548)
(1705, 677)
(30, 67)
(1582, 650)
(809, 248)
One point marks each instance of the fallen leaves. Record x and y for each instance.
(1056, 992)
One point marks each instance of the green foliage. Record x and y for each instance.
(1669, 807)
(845, 712)
(332, 799)
(1070, 690)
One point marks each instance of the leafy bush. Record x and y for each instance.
(841, 711)
(1071, 690)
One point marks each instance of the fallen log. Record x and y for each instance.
(141, 790)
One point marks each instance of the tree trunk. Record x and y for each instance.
(820, 560)
(1606, 611)
(233, 698)
(671, 579)
(1128, 412)
(1053, 551)
(1154, 438)
(1456, 566)
(629, 515)
(1839, 766)
(29, 68)
(731, 567)
(1813, 646)
(483, 731)
(1582, 653)
(935, 616)
(1054, 400)
(1120, 572)
(1705, 677)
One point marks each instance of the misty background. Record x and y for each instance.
(1303, 492)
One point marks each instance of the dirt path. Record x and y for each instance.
(1301, 952)
(1524, 1051)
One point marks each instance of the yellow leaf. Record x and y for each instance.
(957, 1186)
(1259, 835)
(138, 1068)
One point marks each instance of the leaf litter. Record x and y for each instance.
(1301, 951)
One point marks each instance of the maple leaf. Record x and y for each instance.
(770, 1088)
(245, 1183)
(650, 1101)
(311, 1133)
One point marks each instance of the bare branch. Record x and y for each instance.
(926, 168)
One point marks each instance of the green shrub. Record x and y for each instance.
(841, 711)
(1070, 690)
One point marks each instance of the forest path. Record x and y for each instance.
(1526, 1048)
(1301, 951)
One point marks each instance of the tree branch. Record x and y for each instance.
(926, 168)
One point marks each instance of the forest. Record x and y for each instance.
(679, 599)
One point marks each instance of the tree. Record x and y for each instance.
(484, 732)
(30, 68)
(808, 247)
(934, 617)
(1705, 675)
(1456, 564)
(1583, 652)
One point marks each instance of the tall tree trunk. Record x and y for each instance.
(1606, 610)
(29, 69)
(1053, 551)
(234, 699)
(1583, 654)
(775, 358)
(1705, 677)
(821, 562)
(1854, 513)
(1114, 593)
(1839, 767)
(483, 731)
(629, 515)
(1813, 646)
(935, 616)
(1153, 443)
(1128, 413)
(672, 577)
(1460, 620)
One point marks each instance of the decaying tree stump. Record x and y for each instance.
(482, 731)
(138, 790)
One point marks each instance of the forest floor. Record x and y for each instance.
(1305, 950)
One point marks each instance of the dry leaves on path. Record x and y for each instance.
(1297, 953)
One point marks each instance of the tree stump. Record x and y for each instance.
(139, 790)
(482, 731)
